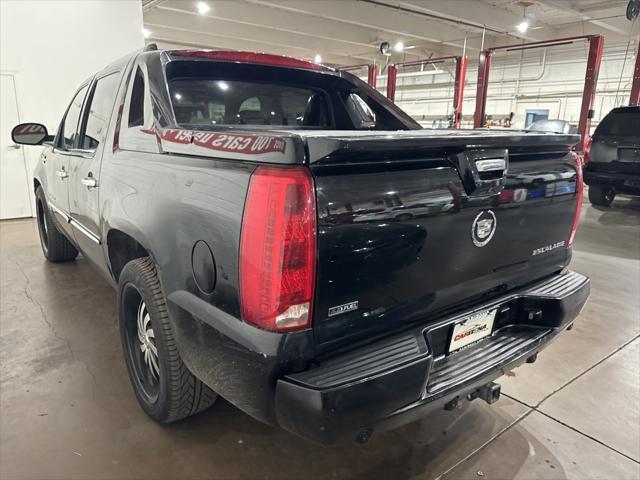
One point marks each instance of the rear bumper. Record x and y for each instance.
(621, 182)
(402, 378)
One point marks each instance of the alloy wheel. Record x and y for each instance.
(147, 340)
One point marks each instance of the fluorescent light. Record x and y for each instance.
(223, 86)
(523, 26)
(178, 96)
(203, 8)
(146, 33)
(398, 47)
(317, 58)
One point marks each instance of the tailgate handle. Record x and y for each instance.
(483, 171)
(491, 165)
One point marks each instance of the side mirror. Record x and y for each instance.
(30, 134)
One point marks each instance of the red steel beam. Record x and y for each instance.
(484, 66)
(544, 43)
(372, 75)
(458, 92)
(372, 72)
(596, 44)
(461, 70)
(392, 73)
(426, 61)
(635, 85)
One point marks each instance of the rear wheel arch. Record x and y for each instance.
(121, 249)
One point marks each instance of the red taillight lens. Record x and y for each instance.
(277, 249)
(579, 190)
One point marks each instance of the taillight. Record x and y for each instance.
(278, 249)
(587, 151)
(579, 190)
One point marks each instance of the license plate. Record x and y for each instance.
(472, 329)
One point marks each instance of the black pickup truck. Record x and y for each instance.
(281, 234)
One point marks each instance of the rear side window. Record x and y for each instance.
(620, 124)
(99, 112)
(70, 123)
(230, 102)
(136, 108)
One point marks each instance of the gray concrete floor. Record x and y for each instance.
(67, 411)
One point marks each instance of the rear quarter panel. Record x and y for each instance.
(168, 203)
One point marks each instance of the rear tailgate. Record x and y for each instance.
(616, 143)
(409, 230)
(615, 155)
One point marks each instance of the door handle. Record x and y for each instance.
(89, 182)
(62, 173)
(13, 147)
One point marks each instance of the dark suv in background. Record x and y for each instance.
(612, 163)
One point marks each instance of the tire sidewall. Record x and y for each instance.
(40, 199)
(601, 195)
(132, 276)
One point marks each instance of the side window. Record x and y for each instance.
(136, 107)
(99, 112)
(69, 128)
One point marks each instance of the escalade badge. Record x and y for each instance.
(483, 228)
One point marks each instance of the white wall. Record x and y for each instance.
(52, 46)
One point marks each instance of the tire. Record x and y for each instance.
(601, 196)
(55, 246)
(165, 388)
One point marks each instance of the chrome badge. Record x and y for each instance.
(347, 307)
(483, 228)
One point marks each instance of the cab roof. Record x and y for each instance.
(250, 57)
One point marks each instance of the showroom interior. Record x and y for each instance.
(510, 80)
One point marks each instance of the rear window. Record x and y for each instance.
(230, 102)
(620, 124)
(210, 94)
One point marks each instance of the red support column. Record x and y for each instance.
(635, 85)
(484, 66)
(392, 72)
(458, 92)
(372, 75)
(596, 44)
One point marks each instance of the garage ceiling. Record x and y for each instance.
(346, 32)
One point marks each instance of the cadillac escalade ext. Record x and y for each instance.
(282, 235)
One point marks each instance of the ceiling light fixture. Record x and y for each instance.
(223, 86)
(317, 58)
(398, 47)
(524, 25)
(146, 33)
(203, 8)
